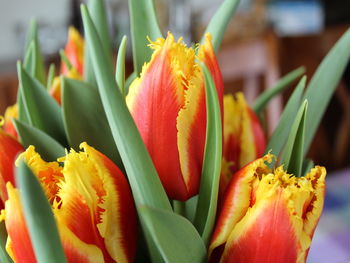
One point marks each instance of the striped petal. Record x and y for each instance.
(9, 149)
(18, 244)
(244, 139)
(167, 103)
(96, 205)
(10, 114)
(268, 217)
(74, 51)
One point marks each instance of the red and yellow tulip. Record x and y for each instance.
(92, 204)
(10, 114)
(167, 103)
(268, 216)
(74, 51)
(9, 149)
(244, 139)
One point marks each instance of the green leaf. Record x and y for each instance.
(208, 193)
(42, 110)
(4, 257)
(293, 154)
(264, 98)
(176, 238)
(39, 218)
(50, 76)
(46, 146)
(280, 135)
(120, 66)
(324, 83)
(36, 58)
(219, 22)
(22, 113)
(85, 120)
(144, 181)
(143, 23)
(129, 80)
(65, 59)
(98, 13)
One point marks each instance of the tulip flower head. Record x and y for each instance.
(92, 205)
(167, 103)
(268, 216)
(10, 114)
(244, 139)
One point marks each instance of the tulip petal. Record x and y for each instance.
(89, 205)
(274, 217)
(155, 100)
(11, 113)
(18, 245)
(74, 51)
(9, 148)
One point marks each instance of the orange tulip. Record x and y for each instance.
(244, 139)
(10, 114)
(167, 103)
(9, 149)
(92, 204)
(268, 216)
(74, 51)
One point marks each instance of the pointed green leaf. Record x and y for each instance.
(144, 181)
(120, 66)
(208, 193)
(4, 257)
(39, 218)
(85, 120)
(22, 112)
(42, 110)
(65, 59)
(143, 23)
(324, 83)
(219, 22)
(46, 146)
(293, 153)
(176, 238)
(280, 135)
(97, 9)
(265, 97)
(50, 76)
(37, 62)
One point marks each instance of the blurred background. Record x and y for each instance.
(265, 40)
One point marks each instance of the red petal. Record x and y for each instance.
(74, 51)
(9, 149)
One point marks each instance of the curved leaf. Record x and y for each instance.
(39, 218)
(293, 154)
(120, 66)
(264, 98)
(175, 237)
(85, 120)
(324, 83)
(208, 193)
(219, 22)
(42, 110)
(143, 23)
(144, 181)
(48, 147)
(280, 135)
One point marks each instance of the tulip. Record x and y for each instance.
(92, 204)
(74, 51)
(268, 216)
(167, 103)
(10, 114)
(9, 149)
(244, 139)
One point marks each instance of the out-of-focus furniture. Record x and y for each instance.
(250, 60)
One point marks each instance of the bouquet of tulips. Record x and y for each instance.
(160, 166)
